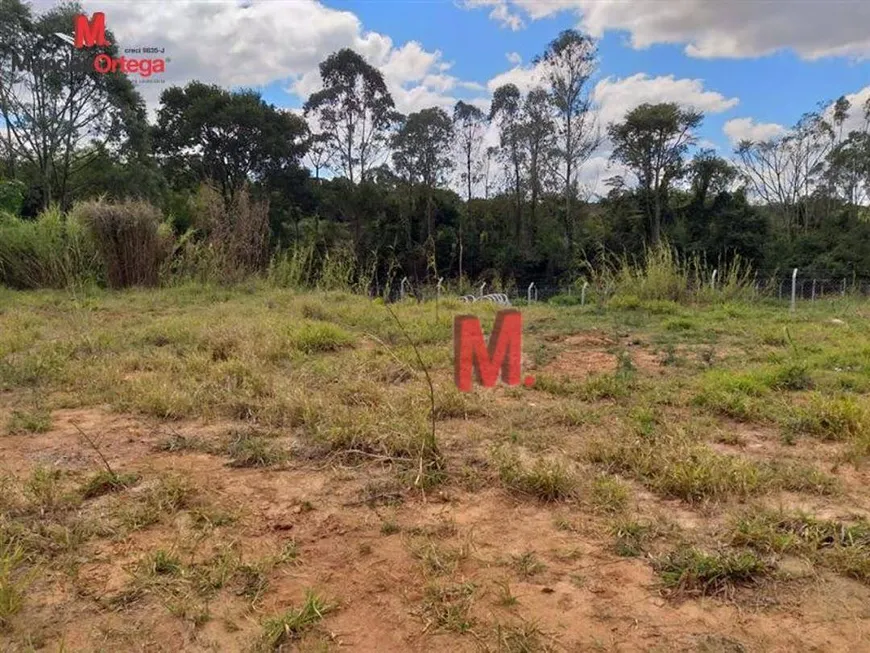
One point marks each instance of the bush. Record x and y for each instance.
(53, 251)
(237, 231)
(127, 237)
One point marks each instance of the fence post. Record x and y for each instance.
(843, 292)
(583, 293)
(482, 286)
(813, 296)
(438, 287)
(402, 289)
(793, 289)
(529, 292)
(713, 280)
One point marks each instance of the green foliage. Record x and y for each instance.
(53, 251)
(11, 197)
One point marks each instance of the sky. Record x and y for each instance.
(752, 66)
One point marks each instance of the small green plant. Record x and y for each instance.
(609, 495)
(285, 628)
(104, 482)
(247, 449)
(36, 420)
(688, 570)
(161, 563)
(448, 607)
(547, 480)
(631, 537)
(527, 564)
(12, 584)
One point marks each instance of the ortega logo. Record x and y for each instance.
(91, 33)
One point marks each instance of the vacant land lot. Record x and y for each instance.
(213, 470)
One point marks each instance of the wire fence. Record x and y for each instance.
(789, 288)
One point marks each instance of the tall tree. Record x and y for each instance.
(785, 170)
(651, 142)
(206, 133)
(422, 152)
(355, 109)
(53, 102)
(507, 108)
(469, 123)
(537, 135)
(568, 64)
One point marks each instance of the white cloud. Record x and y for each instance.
(524, 77)
(616, 97)
(500, 12)
(855, 119)
(514, 58)
(261, 42)
(711, 28)
(746, 129)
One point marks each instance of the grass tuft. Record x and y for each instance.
(285, 628)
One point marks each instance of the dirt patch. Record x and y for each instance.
(589, 353)
(569, 584)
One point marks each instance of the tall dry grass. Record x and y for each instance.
(662, 273)
(53, 251)
(128, 238)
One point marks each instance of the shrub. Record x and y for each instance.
(236, 229)
(126, 234)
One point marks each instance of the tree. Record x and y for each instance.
(319, 155)
(208, 134)
(507, 109)
(537, 136)
(651, 142)
(785, 170)
(469, 124)
(52, 101)
(568, 65)
(422, 152)
(355, 109)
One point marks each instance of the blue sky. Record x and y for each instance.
(774, 88)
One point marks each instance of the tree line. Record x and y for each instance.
(426, 193)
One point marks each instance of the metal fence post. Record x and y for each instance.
(793, 289)
(529, 292)
(438, 287)
(843, 292)
(482, 286)
(713, 280)
(402, 289)
(583, 293)
(813, 296)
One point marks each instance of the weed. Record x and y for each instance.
(609, 495)
(104, 482)
(12, 588)
(161, 563)
(37, 420)
(285, 628)
(527, 564)
(448, 607)
(632, 537)
(688, 570)
(524, 638)
(390, 527)
(547, 480)
(247, 449)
